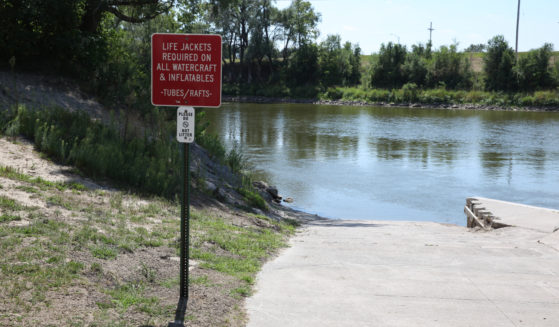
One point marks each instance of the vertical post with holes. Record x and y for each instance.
(185, 135)
(185, 70)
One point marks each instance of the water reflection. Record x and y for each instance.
(387, 163)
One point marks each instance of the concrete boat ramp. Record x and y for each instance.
(386, 273)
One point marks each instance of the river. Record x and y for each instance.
(395, 163)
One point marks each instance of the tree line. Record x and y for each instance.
(395, 66)
(266, 50)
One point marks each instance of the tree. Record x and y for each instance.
(299, 25)
(58, 34)
(355, 61)
(499, 62)
(261, 43)
(387, 70)
(475, 48)
(415, 67)
(533, 71)
(303, 68)
(450, 68)
(132, 11)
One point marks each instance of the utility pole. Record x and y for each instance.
(431, 29)
(517, 23)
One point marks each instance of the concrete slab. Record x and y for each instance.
(364, 273)
(521, 215)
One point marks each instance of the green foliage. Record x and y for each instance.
(387, 69)
(103, 252)
(416, 64)
(149, 163)
(9, 204)
(449, 67)
(303, 66)
(339, 65)
(498, 65)
(533, 70)
(254, 199)
(411, 93)
(46, 34)
(131, 294)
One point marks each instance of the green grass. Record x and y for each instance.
(103, 252)
(41, 257)
(9, 204)
(14, 174)
(132, 294)
(241, 249)
(443, 96)
(8, 217)
(253, 199)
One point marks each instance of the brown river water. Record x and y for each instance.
(395, 163)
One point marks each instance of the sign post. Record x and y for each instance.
(185, 72)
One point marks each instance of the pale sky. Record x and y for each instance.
(372, 22)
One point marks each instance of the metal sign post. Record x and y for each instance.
(185, 135)
(185, 70)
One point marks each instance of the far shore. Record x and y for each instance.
(455, 106)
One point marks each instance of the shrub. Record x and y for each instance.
(409, 92)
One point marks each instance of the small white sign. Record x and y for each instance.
(185, 124)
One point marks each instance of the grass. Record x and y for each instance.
(9, 204)
(253, 199)
(443, 96)
(42, 257)
(237, 251)
(80, 234)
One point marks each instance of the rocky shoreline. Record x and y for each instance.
(454, 106)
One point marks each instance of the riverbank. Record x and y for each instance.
(109, 249)
(362, 103)
(112, 255)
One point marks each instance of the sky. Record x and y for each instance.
(372, 22)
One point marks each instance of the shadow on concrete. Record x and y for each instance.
(342, 223)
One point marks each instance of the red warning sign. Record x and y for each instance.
(186, 70)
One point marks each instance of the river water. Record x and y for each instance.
(395, 163)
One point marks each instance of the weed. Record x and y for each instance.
(103, 252)
(202, 280)
(8, 218)
(243, 291)
(96, 268)
(171, 282)
(151, 210)
(28, 189)
(58, 200)
(131, 294)
(254, 199)
(9, 204)
(116, 201)
(148, 273)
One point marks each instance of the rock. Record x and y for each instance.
(258, 211)
(260, 185)
(288, 200)
(220, 194)
(273, 191)
(210, 186)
